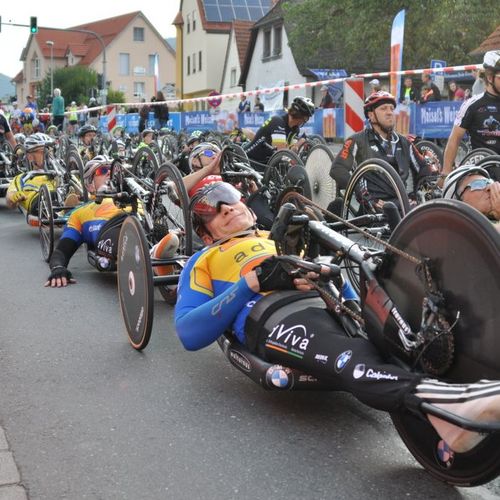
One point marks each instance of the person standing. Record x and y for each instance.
(161, 110)
(326, 98)
(73, 118)
(244, 105)
(408, 92)
(58, 109)
(430, 91)
(143, 115)
(93, 113)
(258, 107)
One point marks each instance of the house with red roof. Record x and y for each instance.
(123, 47)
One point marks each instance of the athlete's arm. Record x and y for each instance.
(341, 167)
(450, 152)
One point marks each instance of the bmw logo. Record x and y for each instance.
(342, 360)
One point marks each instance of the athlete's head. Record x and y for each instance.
(96, 173)
(87, 134)
(202, 154)
(379, 109)
(217, 212)
(34, 146)
(299, 112)
(491, 65)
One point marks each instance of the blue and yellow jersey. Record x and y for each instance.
(84, 223)
(211, 286)
(30, 187)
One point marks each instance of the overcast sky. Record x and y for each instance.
(64, 14)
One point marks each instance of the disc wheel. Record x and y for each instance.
(46, 222)
(145, 163)
(465, 250)
(323, 187)
(432, 153)
(74, 167)
(372, 181)
(475, 155)
(135, 283)
(170, 212)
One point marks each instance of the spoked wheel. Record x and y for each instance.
(475, 155)
(277, 174)
(432, 153)
(372, 182)
(145, 163)
(135, 283)
(239, 154)
(46, 222)
(323, 187)
(492, 165)
(74, 167)
(170, 212)
(465, 250)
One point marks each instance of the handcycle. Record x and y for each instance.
(443, 308)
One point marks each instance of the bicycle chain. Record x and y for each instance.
(390, 247)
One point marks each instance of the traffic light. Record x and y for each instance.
(99, 81)
(33, 25)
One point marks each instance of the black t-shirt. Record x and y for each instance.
(276, 130)
(4, 126)
(480, 116)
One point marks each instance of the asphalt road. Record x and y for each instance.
(87, 417)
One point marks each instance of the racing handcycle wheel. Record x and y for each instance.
(432, 153)
(359, 200)
(464, 252)
(46, 222)
(74, 167)
(145, 163)
(492, 165)
(476, 155)
(170, 212)
(318, 163)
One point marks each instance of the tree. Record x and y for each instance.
(356, 35)
(115, 96)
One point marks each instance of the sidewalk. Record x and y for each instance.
(10, 487)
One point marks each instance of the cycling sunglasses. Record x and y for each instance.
(101, 171)
(206, 152)
(207, 203)
(477, 185)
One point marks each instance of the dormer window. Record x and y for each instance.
(138, 34)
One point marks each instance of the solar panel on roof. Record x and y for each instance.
(227, 10)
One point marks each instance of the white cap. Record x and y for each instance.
(375, 81)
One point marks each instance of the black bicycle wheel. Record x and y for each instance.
(46, 222)
(492, 165)
(465, 249)
(145, 163)
(476, 155)
(323, 187)
(360, 199)
(74, 167)
(135, 283)
(432, 153)
(170, 212)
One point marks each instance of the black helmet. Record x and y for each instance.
(376, 99)
(302, 106)
(86, 129)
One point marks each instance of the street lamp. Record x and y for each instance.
(50, 43)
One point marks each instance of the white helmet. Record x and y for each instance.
(205, 148)
(454, 178)
(92, 165)
(492, 60)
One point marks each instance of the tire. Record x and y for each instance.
(135, 283)
(492, 165)
(323, 187)
(354, 206)
(432, 154)
(170, 211)
(475, 155)
(275, 175)
(145, 163)
(74, 167)
(466, 248)
(46, 222)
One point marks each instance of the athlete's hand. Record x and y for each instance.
(495, 200)
(59, 277)
(17, 197)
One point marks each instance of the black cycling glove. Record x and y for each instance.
(59, 272)
(273, 275)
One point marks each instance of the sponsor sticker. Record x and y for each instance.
(293, 340)
(321, 358)
(240, 360)
(279, 376)
(342, 360)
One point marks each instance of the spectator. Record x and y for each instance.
(31, 104)
(58, 109)
(374, 85)
(73, 118)
(161, 110)
(408, 92)
(326, 98)
(478, 87)
(244, 105)
(467, 94)
(430, 91)
(456, 93)
(143, 115)
(93, 113)
(82, 115)
(258, 106)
